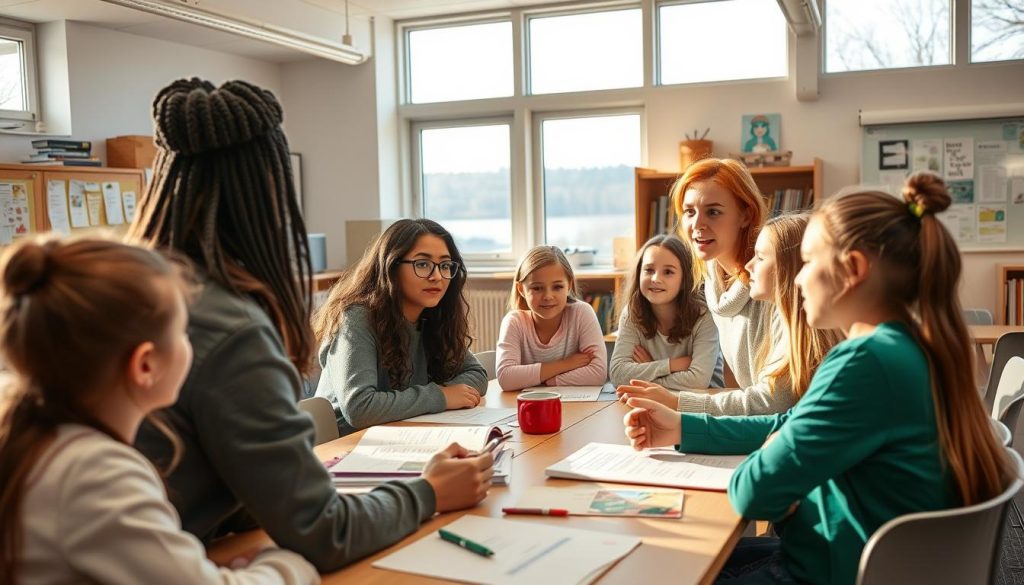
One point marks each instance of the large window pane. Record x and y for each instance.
(579, 52)
(465, 185)
(12, 87)
(883, 34)
(716, 41)
(997, 30)
(460, 62)
(588, 180)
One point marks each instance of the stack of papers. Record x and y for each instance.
(664, 467)
(524, 552)
(387, 453)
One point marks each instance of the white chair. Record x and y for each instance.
(487, 359)
(1009, 383)
(949, 546)
(1008, 346)
(324, 422)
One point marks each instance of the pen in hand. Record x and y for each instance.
(465, 543)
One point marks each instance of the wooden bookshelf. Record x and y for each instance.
(1005, 272)
(651, 184)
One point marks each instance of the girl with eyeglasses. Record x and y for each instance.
(549, 336)
(394, 333)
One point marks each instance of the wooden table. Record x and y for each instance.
(690, 550)
(985, 334)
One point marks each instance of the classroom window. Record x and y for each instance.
(997, 30)
(588, 51)
(461, 62)
(587, 175)
(464, 182)
(17, 71)
(717, 41)
(885, 34)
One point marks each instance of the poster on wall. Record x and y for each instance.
(927, 155)
(1017, 191)
(961, 191)
(992, 223)
(893, 154)
(959, 158)
(761, 132)
(960, 221)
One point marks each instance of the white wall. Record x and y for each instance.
(330, 118)
(114, 76)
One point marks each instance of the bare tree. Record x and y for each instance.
(1004, 21)
(923, 25)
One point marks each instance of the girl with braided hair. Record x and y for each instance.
(223, 196)
(892, 422)
(95, 331)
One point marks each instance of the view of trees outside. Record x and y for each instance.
(997, 30)
(879, 34)
(12, 95)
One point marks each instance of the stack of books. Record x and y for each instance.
(69, 153)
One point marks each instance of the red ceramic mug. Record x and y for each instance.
(540, 413)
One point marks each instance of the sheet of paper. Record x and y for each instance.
(1017, 191)
(574, 393)
(959, 158)
(94, 201)
(112, 203)
(406, 449)
(961, 222)
(992, 183)
(992, 223)
(57, 206)
(524, 552)
(76, 202)
(592, 499)
(467, 416)
(663, 467)
(7, 204)
(20, 216)
(128, 198)
(927, 155)
(892, 182)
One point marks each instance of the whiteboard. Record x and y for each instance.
(982, 162)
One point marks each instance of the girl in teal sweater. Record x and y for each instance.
(891, 423)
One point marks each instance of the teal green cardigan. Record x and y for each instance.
(860, 448)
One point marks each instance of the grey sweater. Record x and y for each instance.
(360, 389)
(701, 345)
(248, 449)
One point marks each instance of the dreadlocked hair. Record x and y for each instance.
(222, 194)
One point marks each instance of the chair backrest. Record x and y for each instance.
(324, 421)
(978, 317)
(1010, 381)
(949, 546)
(1007, 346)
(487, 360)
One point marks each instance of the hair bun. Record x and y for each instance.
(928, 191)
(192, 116)
(28, 268)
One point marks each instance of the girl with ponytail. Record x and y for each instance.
(891, 424)
(95, 333)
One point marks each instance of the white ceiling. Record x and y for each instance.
(322, 18)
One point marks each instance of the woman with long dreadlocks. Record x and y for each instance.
(223, 196)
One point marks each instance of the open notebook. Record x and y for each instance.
(387, 453)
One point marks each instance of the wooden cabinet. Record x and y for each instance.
(34, 181)
(1010, 290)
(652, 185)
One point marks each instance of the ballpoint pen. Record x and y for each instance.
(465, 543)
(536, 511)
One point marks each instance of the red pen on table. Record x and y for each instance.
(536, 511)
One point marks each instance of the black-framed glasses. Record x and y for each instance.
(424, 268)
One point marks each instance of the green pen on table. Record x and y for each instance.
(465, 543)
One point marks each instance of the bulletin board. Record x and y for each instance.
(67, 201)
(982, 162)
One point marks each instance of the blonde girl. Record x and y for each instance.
(892, 422)
(785, 364)
(549, 336)
(666, 334)
(95, 333)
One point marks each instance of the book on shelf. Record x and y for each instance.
(62, 144)
(604, 308)
(1015, 301)
(71, 162)
(61, 155)
(788, 200)
(388, 453)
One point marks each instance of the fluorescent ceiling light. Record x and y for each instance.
(185, 11)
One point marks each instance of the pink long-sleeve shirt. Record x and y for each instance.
(520, 352)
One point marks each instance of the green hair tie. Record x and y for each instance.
(916, 209)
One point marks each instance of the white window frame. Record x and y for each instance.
(538, 151)
(24, 33)
(417, 178)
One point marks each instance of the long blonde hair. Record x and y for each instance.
(539, 257)
(807, 346)
(921, 264)
(736, 179)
